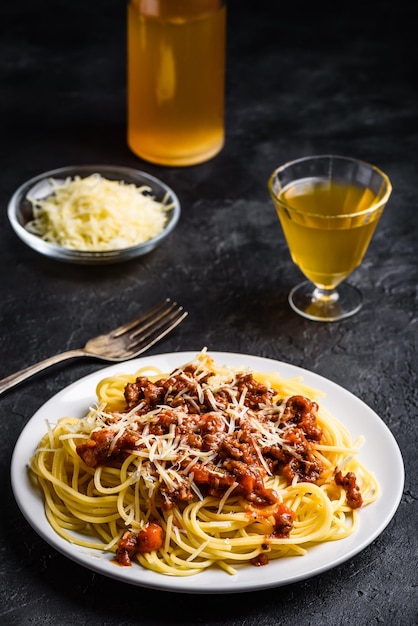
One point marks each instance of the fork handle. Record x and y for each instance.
(21, 375)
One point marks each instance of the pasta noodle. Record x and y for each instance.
(207, 466)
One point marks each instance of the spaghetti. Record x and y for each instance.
(206, 466)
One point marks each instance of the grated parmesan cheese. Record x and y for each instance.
(96, 214)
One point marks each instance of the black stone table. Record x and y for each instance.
(300, 80)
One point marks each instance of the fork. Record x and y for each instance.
(122, 343)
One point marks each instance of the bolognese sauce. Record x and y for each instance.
(226, 439)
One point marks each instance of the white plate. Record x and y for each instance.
(380, 453)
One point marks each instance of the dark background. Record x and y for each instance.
(303, 78)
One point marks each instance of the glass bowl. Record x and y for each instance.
(20, 212)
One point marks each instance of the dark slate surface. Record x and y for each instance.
(300, 80)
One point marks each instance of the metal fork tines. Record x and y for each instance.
(151, 327)
(122, 343)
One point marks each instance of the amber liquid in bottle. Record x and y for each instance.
(176, 76)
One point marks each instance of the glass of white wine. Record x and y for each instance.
(329, 207)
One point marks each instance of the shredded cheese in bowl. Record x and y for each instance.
(96, 214)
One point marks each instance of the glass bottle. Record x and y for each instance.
(176, 79)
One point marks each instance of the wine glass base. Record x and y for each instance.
(342, 303)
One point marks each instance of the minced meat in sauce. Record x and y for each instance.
(240, 456)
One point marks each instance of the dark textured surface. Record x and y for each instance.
(298, 83)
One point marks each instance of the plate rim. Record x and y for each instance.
(209, 581)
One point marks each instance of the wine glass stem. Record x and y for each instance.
(326, 296)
